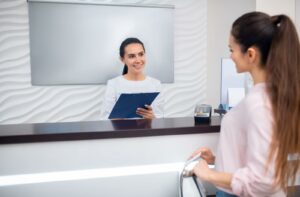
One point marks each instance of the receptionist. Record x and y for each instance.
(133, 80)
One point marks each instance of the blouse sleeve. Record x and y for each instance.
(255, 179)
(108, 101)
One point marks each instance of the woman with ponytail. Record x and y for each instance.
(259, 145)
(133, 80)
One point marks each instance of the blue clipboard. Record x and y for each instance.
(127, 104)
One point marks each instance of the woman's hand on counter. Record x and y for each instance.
(204, 173)
(206, 154)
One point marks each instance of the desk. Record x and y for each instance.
(98, 147)
(73, 146)
(155, 149)
(47, 132)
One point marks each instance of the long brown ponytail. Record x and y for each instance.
(283, 77)
(278, 42)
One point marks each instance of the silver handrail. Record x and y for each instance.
(186, 172)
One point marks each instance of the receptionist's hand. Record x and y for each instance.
(146, 112)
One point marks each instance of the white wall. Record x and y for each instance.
(201, 33)
(221, 15)
(297, 15)
(274, 7)
(20, 102)
(288, 7)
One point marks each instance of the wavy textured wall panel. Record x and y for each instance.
(20, 102)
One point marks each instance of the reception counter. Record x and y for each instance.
(100, 158)
(46, 132)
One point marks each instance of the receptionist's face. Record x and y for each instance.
(134, 58)
(238, 56)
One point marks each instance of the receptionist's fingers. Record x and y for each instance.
(146, 113)
(148, 107)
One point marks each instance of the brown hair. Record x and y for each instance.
(277, 40)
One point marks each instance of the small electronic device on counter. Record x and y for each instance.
(202, 113)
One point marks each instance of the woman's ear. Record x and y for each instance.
(252, 54)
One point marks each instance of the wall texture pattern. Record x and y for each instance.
(20, 102)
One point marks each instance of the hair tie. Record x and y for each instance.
(276, 20)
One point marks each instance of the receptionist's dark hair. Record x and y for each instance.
(126, 42)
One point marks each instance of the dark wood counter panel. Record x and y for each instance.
(65, 131)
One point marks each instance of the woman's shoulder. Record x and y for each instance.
(257, 94)
(153, 80)
(258, 99)
(115, 81)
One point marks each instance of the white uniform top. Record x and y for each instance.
(117, 86)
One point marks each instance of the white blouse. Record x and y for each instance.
(119, 85)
